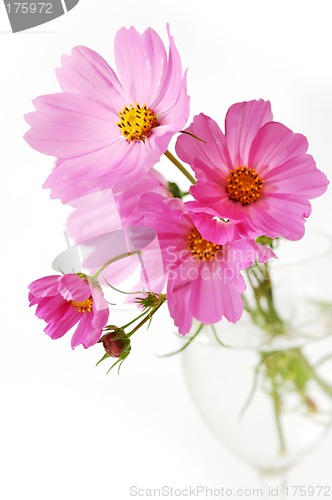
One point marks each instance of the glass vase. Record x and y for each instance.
(265, 387)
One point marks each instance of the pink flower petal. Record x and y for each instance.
(86, 72)
(140, 61)
(207, 294)
(118, 271)
(212, 152)
(214, 229)
(232, 304)
(173, 89)
(44, 287)
(87, 174)
(59, 328)
(215, 196)
(214, 293)
(101, 216)
(69, 125)
(52, 309)
(274, 145)
(243, 121)
(209, 191)
(99, 302)
(168, 111)
(280, 216)
(72, 287)
(157, 213)
(265, 253)
(178, 294)
(242, 253)
(297, 177)
(129, 200)
(89, 329)
(99, 321)
(83, 330)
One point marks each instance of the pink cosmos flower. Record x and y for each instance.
(204, 278)
(257, 175)
(63, 301)
(107, 131)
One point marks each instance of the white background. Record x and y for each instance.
(67, 430)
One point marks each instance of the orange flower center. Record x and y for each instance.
(82, 307)
(136, 122)
(244, 185)
(200, 248)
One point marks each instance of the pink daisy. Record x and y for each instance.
(107, 131)
(258, 174)
(63, 301)
(204, 278)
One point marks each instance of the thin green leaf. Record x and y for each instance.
(183, 347)
(103, 358)
(217, 337)
(121, 291)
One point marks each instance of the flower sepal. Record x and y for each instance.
(151, 300)
(174, 189)
(269, 242)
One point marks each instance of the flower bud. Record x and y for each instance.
(114, 345)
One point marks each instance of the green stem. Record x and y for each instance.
(179, 165)
(257, 299)
(111, 261)
(322, 384)
(267, 286)
(246, 305)
(215, 334)
(276, 406)
(185, 345)
(265, 356)
(265, 310)
(134, 320)
(252, 392)
(147, 318)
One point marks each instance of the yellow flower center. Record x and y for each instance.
(200, 248)
(244, 185)
(136, 122)
(82, 307)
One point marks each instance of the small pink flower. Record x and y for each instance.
(204, 278)
(107, 131)
(63, 301)
(258, 175)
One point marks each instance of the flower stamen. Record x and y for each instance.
(136, 122)
(82, 307)
(200, 248)
(244, 185)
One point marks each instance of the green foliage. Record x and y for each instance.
(174, 189)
